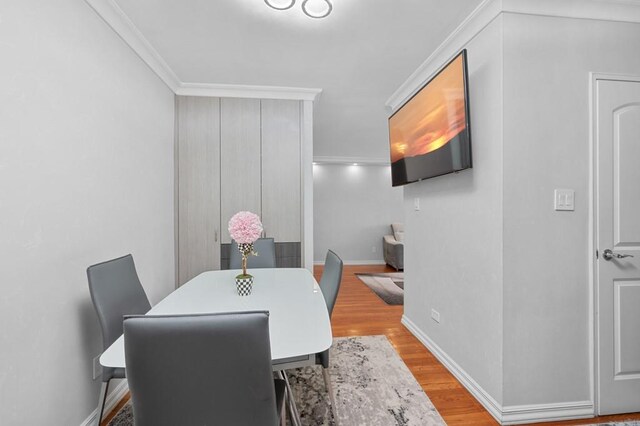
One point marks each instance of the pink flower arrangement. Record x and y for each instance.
(245, 227)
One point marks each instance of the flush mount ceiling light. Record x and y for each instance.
(312, 8)
(280, 5)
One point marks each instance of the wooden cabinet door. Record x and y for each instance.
(281, 170)
(240, 169)
(198, 170)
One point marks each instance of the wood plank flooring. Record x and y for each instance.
(359, 312)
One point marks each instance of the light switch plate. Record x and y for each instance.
(416, 204)
(564, 200)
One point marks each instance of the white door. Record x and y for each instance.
(618, 243)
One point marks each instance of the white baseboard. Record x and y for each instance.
(507, 415)
(492, 406)
(355, 262)
(520, 414)
(114, 397)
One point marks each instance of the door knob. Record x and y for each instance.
(608, 255)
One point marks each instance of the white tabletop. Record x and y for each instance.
(298, 322)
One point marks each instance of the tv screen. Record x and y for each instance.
(430, 135)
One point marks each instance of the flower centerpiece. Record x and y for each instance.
(245, 228)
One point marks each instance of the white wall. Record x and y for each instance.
(86, 174)
(354, 207)
(453, 249)
(508, 274)
(546, 259)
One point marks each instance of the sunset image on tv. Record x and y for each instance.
(433, 118)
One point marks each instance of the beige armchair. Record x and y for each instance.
(393, 246)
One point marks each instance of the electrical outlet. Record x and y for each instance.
(97, 368)
(374, 249)
(435, 315)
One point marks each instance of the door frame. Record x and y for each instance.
(594, 342)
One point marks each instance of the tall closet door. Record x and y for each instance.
(241, 167)
(281, 174)
(198, 163)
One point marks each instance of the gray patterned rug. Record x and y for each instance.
(373, 387)
(627, 423)
(388, 286)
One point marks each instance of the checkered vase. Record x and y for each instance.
(244, 284)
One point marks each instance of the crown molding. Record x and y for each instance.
(488, 10)
(473, 24)
(246, 91)
(600, 10)
(119, 22)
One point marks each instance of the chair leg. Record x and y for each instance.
(283, 414)
(332, 398)
(293, 410)
(102, 399)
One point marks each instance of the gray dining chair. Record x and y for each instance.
(266, 258)
(206, 369)
(329, 285)
(115, 292)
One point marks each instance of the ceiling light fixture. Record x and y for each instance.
(316, 9)
(313, 11)
(280, 5)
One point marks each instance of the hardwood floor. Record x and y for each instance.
(359, 312)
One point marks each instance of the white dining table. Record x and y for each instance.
(299, 325)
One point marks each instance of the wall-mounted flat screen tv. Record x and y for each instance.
(430, 134)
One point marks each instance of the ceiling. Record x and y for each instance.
(358, 56)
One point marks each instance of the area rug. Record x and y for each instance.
(388, 286)
(626, 423)
(373, 387)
